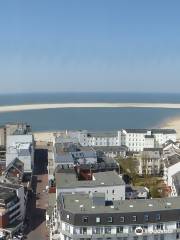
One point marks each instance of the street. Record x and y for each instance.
(37, 204)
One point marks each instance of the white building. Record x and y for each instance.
(171, 168)
(108, 183)
(150, 161)
(134, 139)
(20, 145)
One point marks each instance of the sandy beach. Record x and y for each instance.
(173, 123)
(14, 108)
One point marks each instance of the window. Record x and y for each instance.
(178, 225)
(113, 191)
(83, 230)
(67, 228)
(119, 229)
(98, 230)
(134, 218)
(85, 219)
(107, 230)
(135, 238)
(158, 217)
(161, 237)
(146, 217)
(144, 238)
(159, 227)
(110, 219)
(98, 220)
(121, 219)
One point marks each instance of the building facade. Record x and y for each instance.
(135, 139)
(79, 216)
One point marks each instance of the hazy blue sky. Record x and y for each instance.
(89, 45)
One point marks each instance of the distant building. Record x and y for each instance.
(112, 151)
(135, 139)
(150, 161)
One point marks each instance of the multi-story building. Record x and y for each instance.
(12, 208)
(109, 183)
(176, 184)
(150, 161)
(20, 144)
(134, 139)
(81, 216)
(171, 168)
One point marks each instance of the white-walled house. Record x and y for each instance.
(171, 168)
(108, 183)
(135, 139)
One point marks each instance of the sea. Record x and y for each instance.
(92, 119)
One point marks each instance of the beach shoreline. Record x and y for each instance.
(173, 123)
(27, 107)
(170, 123)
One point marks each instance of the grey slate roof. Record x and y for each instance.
(102, 134)
(69, 180)
(154, 131)
(171, 160)
(74, 203)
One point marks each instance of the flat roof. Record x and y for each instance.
(102, 134)
(76, 202)
(154, 131)
(69, 180)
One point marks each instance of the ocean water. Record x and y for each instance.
(91, 119)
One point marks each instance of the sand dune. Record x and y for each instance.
(26, 107)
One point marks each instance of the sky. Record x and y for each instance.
(89, 45)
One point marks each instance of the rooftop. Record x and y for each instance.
(102, 134)
(76, 203)
(69, 180)
(154, 131)
(172, 160)
(6, 195)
